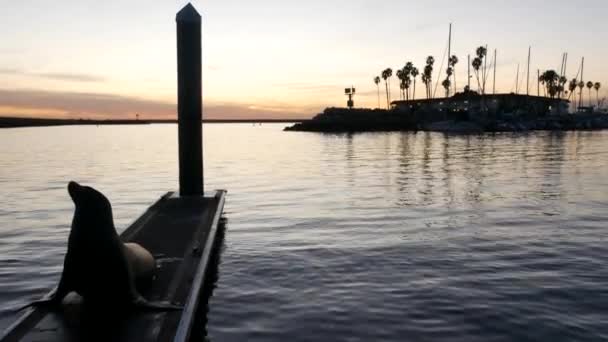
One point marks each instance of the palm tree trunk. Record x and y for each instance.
(454, 74)
(386, 85)
(597, 96)
(573, 100)
(414, 91)
(389, 93)
(589, 97)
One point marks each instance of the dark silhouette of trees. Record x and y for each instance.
(550, 79)
(597, 87)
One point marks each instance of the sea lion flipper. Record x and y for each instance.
(50, 303)
(142, 304)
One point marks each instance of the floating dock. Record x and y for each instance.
(183, 231)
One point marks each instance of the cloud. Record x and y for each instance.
(71, 77)
(108, 106)
(301, 86)
(8, 71)
(60, 76)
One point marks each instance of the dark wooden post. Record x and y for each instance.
(189, 101)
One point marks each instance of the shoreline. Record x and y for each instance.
(16, 122)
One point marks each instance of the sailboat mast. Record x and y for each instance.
(528, 72)
(538, 83)
(449, 55)
(494, 77)
(517, 80)
(580, 96)
(469, 72)
(562, 73)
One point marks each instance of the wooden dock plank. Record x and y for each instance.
(180, 233)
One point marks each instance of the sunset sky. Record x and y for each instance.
(271, 58)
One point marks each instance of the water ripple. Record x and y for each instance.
(421, 237)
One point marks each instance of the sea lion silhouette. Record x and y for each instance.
(98, 265)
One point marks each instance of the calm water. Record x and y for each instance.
(419, 237)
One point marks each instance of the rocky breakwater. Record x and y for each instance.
(371, 120)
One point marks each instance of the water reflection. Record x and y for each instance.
(211, 280)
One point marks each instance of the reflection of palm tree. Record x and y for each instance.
(597, 87)
(414, 74)
(590, 86)
(377, 81)
(386, 74)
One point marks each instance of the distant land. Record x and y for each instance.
(13, 122)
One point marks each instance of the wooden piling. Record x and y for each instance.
(189, 101)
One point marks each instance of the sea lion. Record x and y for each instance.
(98, 265)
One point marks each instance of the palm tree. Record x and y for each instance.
(452, 61)
(414, 72)
(386, 74)
(562, 82)
(407, 70)
(590, 86)
(401, 79)
(572, 87)
(581, 85)
(597, 87)
(446, 84)
(550, 79)
(541, 80)
(427, 76)
(402, 86)
(476, 65)
(377, 81)
(481, 53)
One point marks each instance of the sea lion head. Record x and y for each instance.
(93, 209)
